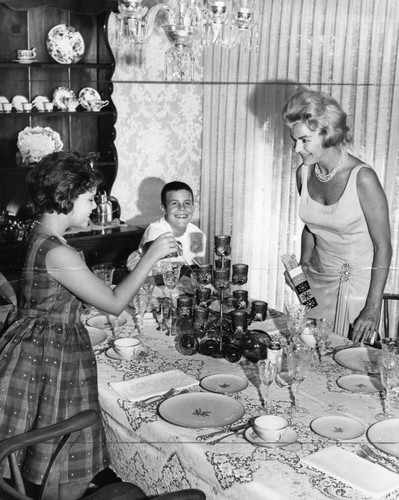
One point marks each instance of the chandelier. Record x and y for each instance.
(191, 26)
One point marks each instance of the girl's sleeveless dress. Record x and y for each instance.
(48, 371)
(340, 269)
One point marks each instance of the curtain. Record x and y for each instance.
(347, 48)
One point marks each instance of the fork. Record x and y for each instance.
(360, 452)
(372, 453)
(152, 399)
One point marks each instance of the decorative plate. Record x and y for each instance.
(39, 101)
(384, 435)
(17, 101)
(224, 383)
(88, 94)
(200, 409)
(96, 335)
(360, 383)
(37, 142)
(360, 359)
(337, 427)
(290, 437)
(59, 96)
(64, 44)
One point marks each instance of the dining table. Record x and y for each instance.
(160, 455)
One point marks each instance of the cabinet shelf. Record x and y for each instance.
(26, 24)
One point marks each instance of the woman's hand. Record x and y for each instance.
(162, 246)
(366, 324)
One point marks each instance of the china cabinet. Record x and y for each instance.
(25, 24)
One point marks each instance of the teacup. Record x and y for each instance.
(7, 107)
(270, 428)
(97, 105)
(27, 106)
(127, 347)
(48, 106)
(26, 53)
(71, 103)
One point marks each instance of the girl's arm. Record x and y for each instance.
(66, 266)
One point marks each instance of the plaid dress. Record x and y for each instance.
(48, 371)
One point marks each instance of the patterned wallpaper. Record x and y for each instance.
(159, 128)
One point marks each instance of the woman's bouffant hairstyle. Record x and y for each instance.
(58, 179)
(319, 112)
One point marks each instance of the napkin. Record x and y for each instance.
(145, 387)
(371, 479)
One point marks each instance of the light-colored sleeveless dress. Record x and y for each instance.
(340, 269)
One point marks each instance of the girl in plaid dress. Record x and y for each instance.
(47, 366)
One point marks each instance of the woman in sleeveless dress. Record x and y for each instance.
(47, 366)
(346, 242)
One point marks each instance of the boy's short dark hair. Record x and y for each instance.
(174, 186)
(58, 179)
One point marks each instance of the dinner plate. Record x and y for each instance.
(201, 409)
(96, 335)
(3, 99)
(360, 359)
(384, 435)
(64, 44)
(17, 102)
(224, 383)
(360, 383)
(88, 94)
(59, 96)
(289, 437)
(337, 427)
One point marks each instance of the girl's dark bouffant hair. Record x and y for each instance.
(320, 112)
(59, 178)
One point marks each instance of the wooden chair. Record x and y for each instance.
(68, 431)
(386, 303)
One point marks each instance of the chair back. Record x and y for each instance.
(8, 308)
(390, 315)
(68, 431)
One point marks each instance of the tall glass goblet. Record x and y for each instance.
(171, 274)
(267, 374)
(221, 281)
(296, 321)
(298, 361)
(390, 379)
(142, 302)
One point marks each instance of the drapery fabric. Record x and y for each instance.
(347, 48)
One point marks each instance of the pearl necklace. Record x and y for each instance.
(51, 229)
(327, 177)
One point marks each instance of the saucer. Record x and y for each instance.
(290, 437)
(25, 61)
(111, 353)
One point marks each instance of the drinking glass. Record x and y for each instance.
(170, 274)
(322, 332)
(298, 361)
(223, 245)
(106, 273)
(267, 374)
(390, 353)
(142, 301)
(390, 379)
(296, 320)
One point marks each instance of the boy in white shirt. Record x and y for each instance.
(177, 207)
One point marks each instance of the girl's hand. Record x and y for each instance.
(162, 246)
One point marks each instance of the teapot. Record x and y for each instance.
(108, 208)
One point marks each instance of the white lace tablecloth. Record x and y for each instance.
(160, 457)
